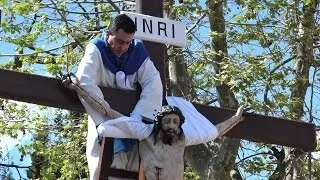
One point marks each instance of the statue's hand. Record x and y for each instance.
(239, 112)
(70, 81)
(67, 83)
(225, 126)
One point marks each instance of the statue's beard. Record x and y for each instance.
(168, 136)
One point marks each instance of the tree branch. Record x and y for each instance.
(267, 87)
(211, 101)
(248, 157)
(316, 63)
(45, 51)
(62, 14)
(96, 16)
(73, 12)
(283, 63)
(34, 53)
(196, 23)
(316, 46)
(265, 95)
(14, 166)
(248, 24)
(84, 10)
(57, 19)
(114, 6)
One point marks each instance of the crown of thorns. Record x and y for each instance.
(168, 110)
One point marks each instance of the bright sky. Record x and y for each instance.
(8, 147)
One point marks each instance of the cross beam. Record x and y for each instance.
(50, 92)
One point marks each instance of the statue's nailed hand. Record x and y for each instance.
(227, 125)
(239, 112)
(70, 81)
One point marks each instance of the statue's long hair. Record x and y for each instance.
(158, 119)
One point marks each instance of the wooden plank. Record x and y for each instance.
(266, 129)
(156, 50)
(106, 154)
(50, 92)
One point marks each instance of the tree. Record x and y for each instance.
(252, 54)
(30, 28)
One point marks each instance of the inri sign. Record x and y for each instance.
(159, 30)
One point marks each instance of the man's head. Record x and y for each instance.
(168, 121)
(120, 34)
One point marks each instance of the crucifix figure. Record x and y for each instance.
(161, 144)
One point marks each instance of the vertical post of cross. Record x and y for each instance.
(156, 50)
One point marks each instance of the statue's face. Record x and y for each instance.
(170, 127)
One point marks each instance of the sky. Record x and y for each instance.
(9, 146)
(12, 154)
(5, 48)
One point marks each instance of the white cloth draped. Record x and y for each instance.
(197, 128)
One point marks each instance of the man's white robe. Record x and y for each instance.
(92, 73)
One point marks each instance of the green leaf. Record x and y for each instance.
(3, 2)
(306, 2)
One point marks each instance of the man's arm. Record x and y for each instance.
(125, 127)
(152, 91)
(89, 77)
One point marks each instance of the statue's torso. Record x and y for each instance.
(162, 161)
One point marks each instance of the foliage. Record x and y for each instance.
(259, 66)
(48, 38)
(190, 173)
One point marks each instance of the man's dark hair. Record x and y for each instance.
(124, 22)
(164, 111)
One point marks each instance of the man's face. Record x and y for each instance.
(119, 42)
(170, 127)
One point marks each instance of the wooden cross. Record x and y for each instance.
(50, 92)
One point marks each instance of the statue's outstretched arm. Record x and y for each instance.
(95, 102)
(225, 126)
